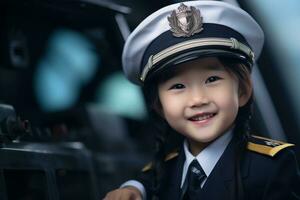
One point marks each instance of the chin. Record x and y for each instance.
(207, 139)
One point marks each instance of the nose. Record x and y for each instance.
(198, 97)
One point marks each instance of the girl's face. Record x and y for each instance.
(201, 101)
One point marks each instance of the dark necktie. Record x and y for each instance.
(192, 185)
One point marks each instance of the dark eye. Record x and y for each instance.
(212, 79)
(177, 86)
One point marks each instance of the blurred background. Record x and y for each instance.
(73, 127)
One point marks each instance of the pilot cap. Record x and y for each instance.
(189, 30)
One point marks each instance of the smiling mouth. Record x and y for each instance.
(202, 117)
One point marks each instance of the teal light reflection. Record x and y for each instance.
(121, 97)
(68, 64)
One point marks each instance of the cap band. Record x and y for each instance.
(232, 43)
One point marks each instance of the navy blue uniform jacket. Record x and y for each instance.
(269, 172)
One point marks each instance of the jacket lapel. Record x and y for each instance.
(174, 175)
(220, 183)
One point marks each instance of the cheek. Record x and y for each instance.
(169, 106)
(172, 109)
(228, 99)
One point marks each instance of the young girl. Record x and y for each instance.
(194, 61)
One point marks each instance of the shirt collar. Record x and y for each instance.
(209, 156)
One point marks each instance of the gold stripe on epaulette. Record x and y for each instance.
(267, 150)
(168, 157)
(172, 155)
(268, 139)
(147, 167)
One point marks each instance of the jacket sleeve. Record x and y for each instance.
(284, 178)
(145, 178)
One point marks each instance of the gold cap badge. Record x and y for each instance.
(185, 21)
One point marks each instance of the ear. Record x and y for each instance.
(246, 92)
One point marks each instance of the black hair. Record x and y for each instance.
(168, 139)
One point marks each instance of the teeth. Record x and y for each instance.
(202, 117)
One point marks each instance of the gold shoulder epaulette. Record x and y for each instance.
(266, 146)
(168, 157)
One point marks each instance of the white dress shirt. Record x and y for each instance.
(207, 158)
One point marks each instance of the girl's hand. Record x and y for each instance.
(126, 193)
